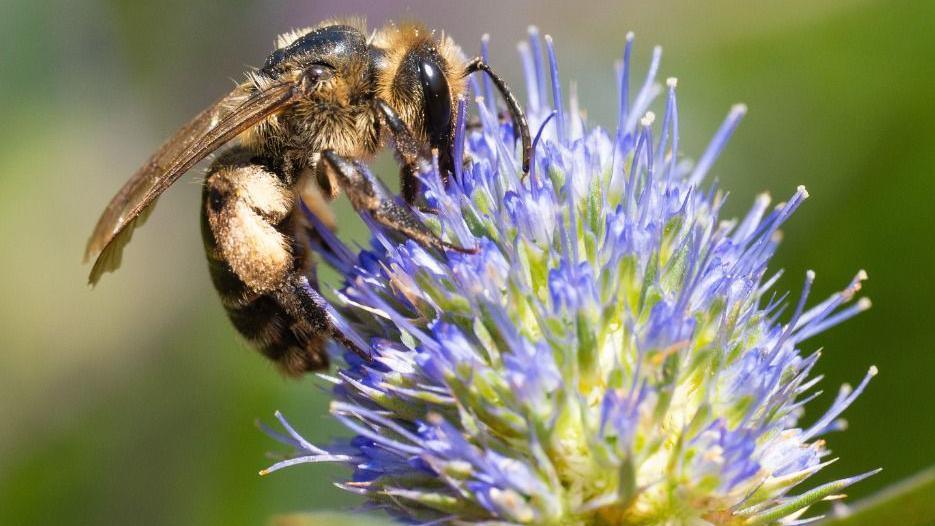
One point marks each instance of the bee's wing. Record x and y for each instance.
(207, 132)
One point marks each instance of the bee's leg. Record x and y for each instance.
(304, 303)
(410, 153)
(520, 126)
(367, 193)
(299, 294)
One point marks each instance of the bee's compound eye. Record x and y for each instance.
(436, 98)
(215, 200)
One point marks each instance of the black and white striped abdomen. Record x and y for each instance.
(262, 313)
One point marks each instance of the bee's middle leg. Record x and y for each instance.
(368, 194)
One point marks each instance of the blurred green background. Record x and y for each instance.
(135, 403)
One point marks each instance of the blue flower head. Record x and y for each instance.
(613, 352)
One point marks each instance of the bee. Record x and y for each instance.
(325, 101)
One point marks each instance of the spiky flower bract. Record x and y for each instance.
(611, 354)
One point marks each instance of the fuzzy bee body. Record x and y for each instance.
(249, 229)
(327, 98)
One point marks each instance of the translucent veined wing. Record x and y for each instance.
(207, 132)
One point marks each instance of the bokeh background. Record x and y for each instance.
(135, 403)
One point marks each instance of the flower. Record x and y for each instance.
(612, 353)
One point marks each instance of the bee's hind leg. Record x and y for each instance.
(368, 194)
(303, 301)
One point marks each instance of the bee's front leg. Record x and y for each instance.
(409, 152)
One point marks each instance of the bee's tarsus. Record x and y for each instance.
(463, 250)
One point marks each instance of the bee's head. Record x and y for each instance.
(316, 56)
(421, 75)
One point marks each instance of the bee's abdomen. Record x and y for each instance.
(259, 316)
(262, 321)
